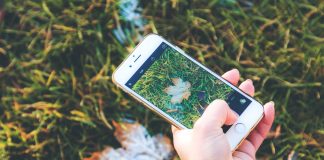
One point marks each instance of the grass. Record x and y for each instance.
(57, 57)
(204, 88)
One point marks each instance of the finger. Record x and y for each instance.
(233, 76)
(174, 129)
(182, 140)
(221, 107)
(237, 155)
(247, 87)
(215, 116)
(248, 148)
(258, 135)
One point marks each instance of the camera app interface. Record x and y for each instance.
(180, 87)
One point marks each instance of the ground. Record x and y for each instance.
(57, 58)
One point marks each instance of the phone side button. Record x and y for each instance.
(240, 128)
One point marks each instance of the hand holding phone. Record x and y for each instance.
(207, 141)
(178, 88)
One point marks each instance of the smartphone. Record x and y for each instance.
(178, 88)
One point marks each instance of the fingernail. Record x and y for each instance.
(234, 69)
(249, 80)
(272, 103)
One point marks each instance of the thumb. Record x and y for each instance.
(208, 135)
(215, 116)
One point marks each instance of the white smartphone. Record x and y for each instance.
(178, 88)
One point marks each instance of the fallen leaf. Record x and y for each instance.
(180, 90)
(136, 144)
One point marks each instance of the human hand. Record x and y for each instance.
(207, 141)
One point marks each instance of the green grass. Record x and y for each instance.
(172, 65)
(57, 57)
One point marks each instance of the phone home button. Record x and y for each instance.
(240, 127)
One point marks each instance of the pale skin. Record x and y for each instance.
(206, 141)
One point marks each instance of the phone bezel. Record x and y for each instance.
(250, 116)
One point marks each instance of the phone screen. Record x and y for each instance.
(181, 88)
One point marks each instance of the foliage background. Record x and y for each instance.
(57, 57)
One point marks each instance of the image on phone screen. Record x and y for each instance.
(181, 88)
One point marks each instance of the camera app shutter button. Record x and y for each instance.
(240, 128)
